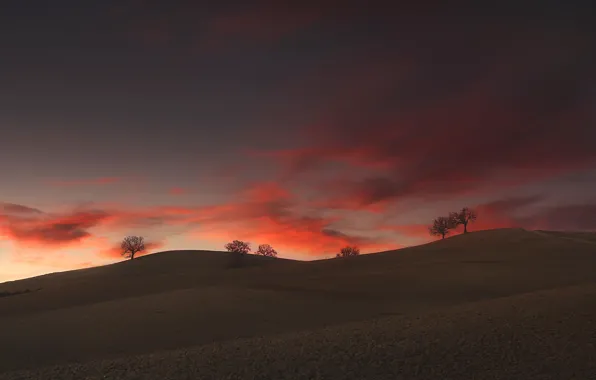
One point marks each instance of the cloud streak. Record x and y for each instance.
(52, 230)
(271, 214)
(86, 182)
(12, 209)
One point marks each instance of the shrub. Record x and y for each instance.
(348, 251)
(266, 250)
(238, 246)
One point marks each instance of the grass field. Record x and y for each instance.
(491, 304)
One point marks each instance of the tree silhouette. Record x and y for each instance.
(238, 246)
(131, 245)
(348, 251)
(441, 226)
(463, 217)
(266, 250)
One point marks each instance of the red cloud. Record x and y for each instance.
(442, 130)
(51, 230)
(292, 235)
(437, 161)
(31, 227)
(267, 214)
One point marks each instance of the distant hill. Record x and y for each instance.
(155, 273)
(183, 299)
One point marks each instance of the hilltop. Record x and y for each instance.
(464, 289)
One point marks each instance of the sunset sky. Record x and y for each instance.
(305, 125)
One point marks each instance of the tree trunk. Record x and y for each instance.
(466, 228)
(443, 236)
(132, 255)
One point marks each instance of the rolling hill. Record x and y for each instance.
(477, 302)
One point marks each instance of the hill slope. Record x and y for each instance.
(156, 273)
(182, 299)
(537, 335)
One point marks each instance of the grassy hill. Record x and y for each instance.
(194, 302)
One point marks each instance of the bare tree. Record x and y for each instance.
(238, 246)
(266, 250)
(441, 226)
(463, 217)
(348, 251)
(131, 245)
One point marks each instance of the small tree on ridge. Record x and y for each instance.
(238, 246)
(266, 250)
(441, 226)
(348, 251)
(463, 217)
(131, 245)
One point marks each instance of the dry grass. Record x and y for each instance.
(491, 304)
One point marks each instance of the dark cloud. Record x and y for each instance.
(52, 229)
(481, 106)
(509, 205)
(26, 225)
(573, 217)
(12, 208)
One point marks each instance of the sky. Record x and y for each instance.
(307, 125)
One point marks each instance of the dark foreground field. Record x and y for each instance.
(501, 304)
